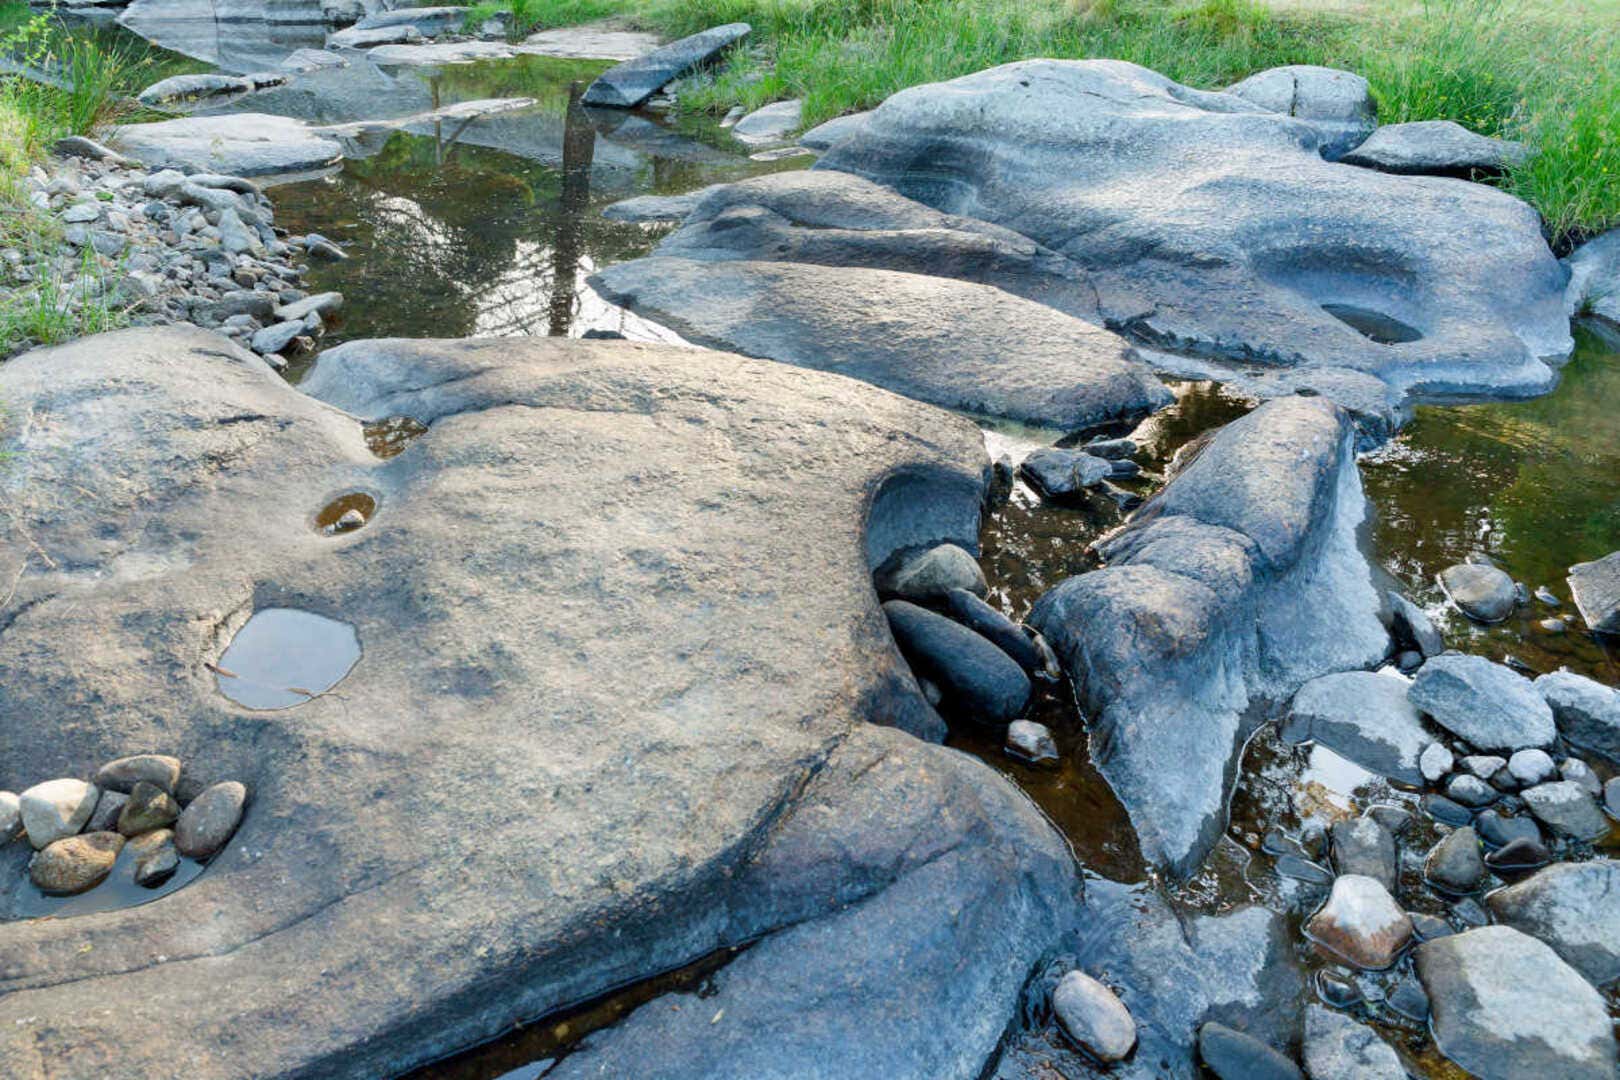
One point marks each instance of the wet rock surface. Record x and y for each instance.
(1505, 1006)
(789, 842)
(1246, 563)
(242, 144)
(1009, 145)
(1489, 704)
(1361, 923)
(1338, 1047)
(1596, 586)
(1484, 593)
(1567, 808)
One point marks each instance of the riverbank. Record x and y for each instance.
(1542, 75)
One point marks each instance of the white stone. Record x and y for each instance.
(1093, 1016)
(1436, 761)
(1531, 766)
(56, 809)
(1361, 923)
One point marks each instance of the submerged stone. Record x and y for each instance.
(75, 863)
(1364, 716)
(1093, 1016)
(1483, 593)
(1236, 1055)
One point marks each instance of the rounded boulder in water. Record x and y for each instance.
(977, 678)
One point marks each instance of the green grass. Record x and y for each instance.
(1544, 73)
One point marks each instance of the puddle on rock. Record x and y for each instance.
(346, 514)
(118, 890)
(1373, 325)
(390, 436)
(284, 657)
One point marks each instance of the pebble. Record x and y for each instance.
(1428, 927)
(1363, 846)
(1392, 818)
(1577, 771)
(1094, 1017)
(1361, 923)
(1454, 864)
(155, 857)
(149, 807)
(1500, 830)
(1483, 766)
(1031, 742)
(1546, 596)
(1531, 766)
(1235, 1055)
(124, 773)
(108, 807)
(1445, 811)
(1469, 912)
(1409, 999)
(56, 809)
(1470, 790)
(75, 863)
(1435, 761)
(205, 825)
(1301, 869)
(1483, 593)
(1337, 990)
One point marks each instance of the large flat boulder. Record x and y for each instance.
(618, 705)
(626, 85)
(242, 144)
(1236, 584)
(1596, 586)
(1214, 229)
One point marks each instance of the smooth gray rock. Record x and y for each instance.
(968, 609)
(322, 303)
(1362, 846)
(1575, 908)
(1093, 1016)
(651, 208)
(1412, 626)
(930, 575)
(713, 628)
(772, 124)
(1339, 1048)
(241, 144)
(1361, 923)
(1236, 1055)
(192, 87)
(977, 678)
(1594, 278)
(428, 20)
(56, 809)
(1483, 593)
(627, 85)
(1223, 233)
(1364, 716)
(1506, 1007)
(1567, 808)
(1490, 705)
(1499, 830)
(1435, 761)
(156, 857)
(1057, 472)
(1470, 790)
(302, 61)
(1572, 768)
(1587, 712)
(1435, 148)
(1532, 766)
(1237, 583)
(108, 809)
(830, 133)
(10, 815)
(1456, 864)
(1596, 587)
(276, 337)
(209, 821)
(74, 863)
(1339, 104)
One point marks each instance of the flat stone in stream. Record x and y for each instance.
(743, 784)
(1575, 908)
(1506, 1007)
(1236, 584)
(626, 85)
(1057, 472)
(1435, 148)
(1224, 236)
(1361, 923)
(1483, 593)
(430, 21)
(1339, 1048)
(768, 125)
(1567, 808)
(1587, 712)
(240, 144)
(1455, 864)
(1486, 703)
(1364, 716)
(1596, 586)
(1236, 1055)
(193, 87)
(1362, 846)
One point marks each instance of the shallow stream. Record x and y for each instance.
(492, 231)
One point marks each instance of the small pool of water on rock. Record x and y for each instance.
(1535, 485)
(117, 891)
(1374, 325)
(331, 517)
(390, 436)
(284, 657)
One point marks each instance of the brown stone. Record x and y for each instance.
(76, 863)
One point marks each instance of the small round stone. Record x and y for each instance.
(206, 825)
(123, 774)
(56, 809)
(1531, 766)
(155, 857)
(1094, 1017)
(1455, 864)
(75, 863)
(1435, 761)
(1470, 790)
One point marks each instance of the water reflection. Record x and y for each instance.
(284, 657)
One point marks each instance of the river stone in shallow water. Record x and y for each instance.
(1222, 232)
(1587, 712)
(1364, 716)
(1434, 148)
(1362, 846)
(1092, 1015)
(978, 679)
(1481, 592)
(1490, 705)
(1361, 923)
(1506, 1007)
(240, 144)
(1411, 625)
(1567, 808)
(1596, 586)
(1237, 583)
(1575, 908)
(1594, 278)
(695, 534)
(1338, 1048)
(75, 863)
(930, 575)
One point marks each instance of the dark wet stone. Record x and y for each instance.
(210, 819)
(1499, 830)
(1337, 1046)
(1275, 842)
(1481, 592)
(1364, 716)
(976, 677)
(1455, 864)
(1393, 818)
(1470, 912)
(1470, 791)
(627, 85)
(156, 857)
(105, 816)
(1301, 869)
(1504, 1007)
(1249, 547)
(1567, 808)
(75, 863)
(1337, 990)
(1575, 908)
(149, 807)
(1234, 1055)
(1483, 702)
(1409, 999)
(1596, 586)
(1413, 628)
(1057, 473)
(986, 621)
(1518, 855)
(123, 774)
(1363, 846)
(1112, 449)
(1445, 811)
(1427, 927)
(1586, 711)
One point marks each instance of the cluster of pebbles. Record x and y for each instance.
(170, 247)
(142, 803)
